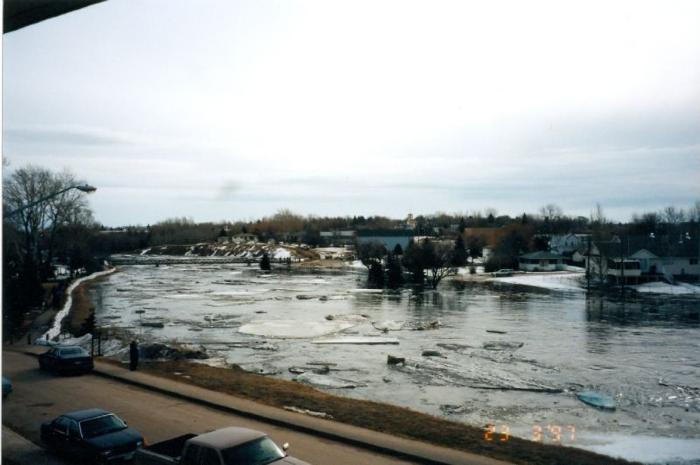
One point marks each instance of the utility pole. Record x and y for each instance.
(588, 266)
(622, 266)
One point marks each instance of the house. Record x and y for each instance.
(568, 243)
(671, 256)
(541, 261)
(241, 238)
(646, 258)
(611, 261)
(390, 238)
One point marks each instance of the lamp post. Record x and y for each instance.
(83, 188)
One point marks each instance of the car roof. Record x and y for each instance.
(80, 415)
(227, 437)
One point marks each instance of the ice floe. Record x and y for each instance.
(551, 281)
(665, 288)
(327, 382)
(295, 328)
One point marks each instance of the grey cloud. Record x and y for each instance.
(66, 135)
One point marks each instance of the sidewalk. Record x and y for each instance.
(368, 439)
(16, 450)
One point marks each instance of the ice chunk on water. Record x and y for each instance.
(295, 328)
(388, 325)
(358, 340)
(327, 382)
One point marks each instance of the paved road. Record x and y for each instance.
(39, 396)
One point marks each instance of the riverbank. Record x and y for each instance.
(82, 307)
(376, 416)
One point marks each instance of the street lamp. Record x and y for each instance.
(83, 188)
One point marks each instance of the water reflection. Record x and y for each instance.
(643, 311)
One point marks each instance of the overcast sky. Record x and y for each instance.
(236, 109)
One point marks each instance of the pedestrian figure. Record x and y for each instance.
(133, 355)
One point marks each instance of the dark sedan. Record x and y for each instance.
(93, 436)
(66, 359)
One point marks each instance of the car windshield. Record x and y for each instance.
(101, 425)
(258, 452)
(72, 351)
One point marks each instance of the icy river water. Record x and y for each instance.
(505, 355)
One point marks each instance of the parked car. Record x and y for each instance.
(6, 387)
(66, 359)
(94, 436)
(226, 446)
(502, 273)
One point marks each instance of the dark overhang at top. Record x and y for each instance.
(20, 13)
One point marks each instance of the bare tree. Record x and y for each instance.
(370, 253)
(673, 215)
(440, 262)
(551, 211)
(694, 212)
(598, 216)
(30, 184)
(435, 258)
(22, 187)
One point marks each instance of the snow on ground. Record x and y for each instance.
(665, 288)
(55, 330)
(281, 253)
(552, 281)
(465, 270)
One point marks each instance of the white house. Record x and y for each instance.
(541, 261)
(568, 243)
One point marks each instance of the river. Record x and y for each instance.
(501, 354)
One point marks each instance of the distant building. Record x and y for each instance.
(632, 259)
(389, 237)
(241, 238)
(541, 261)
(491, 236)
(409, 222)
(567, 243)
(671, 256)
(338, 237)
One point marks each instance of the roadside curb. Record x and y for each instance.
(394, 446)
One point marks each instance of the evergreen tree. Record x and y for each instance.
(376, 274)
(413, 262)
(460, 252)
(394, 271)
(398, 250)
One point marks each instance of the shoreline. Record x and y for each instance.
(386, 418)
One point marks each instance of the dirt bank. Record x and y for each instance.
(81, 307)
(389, 419)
